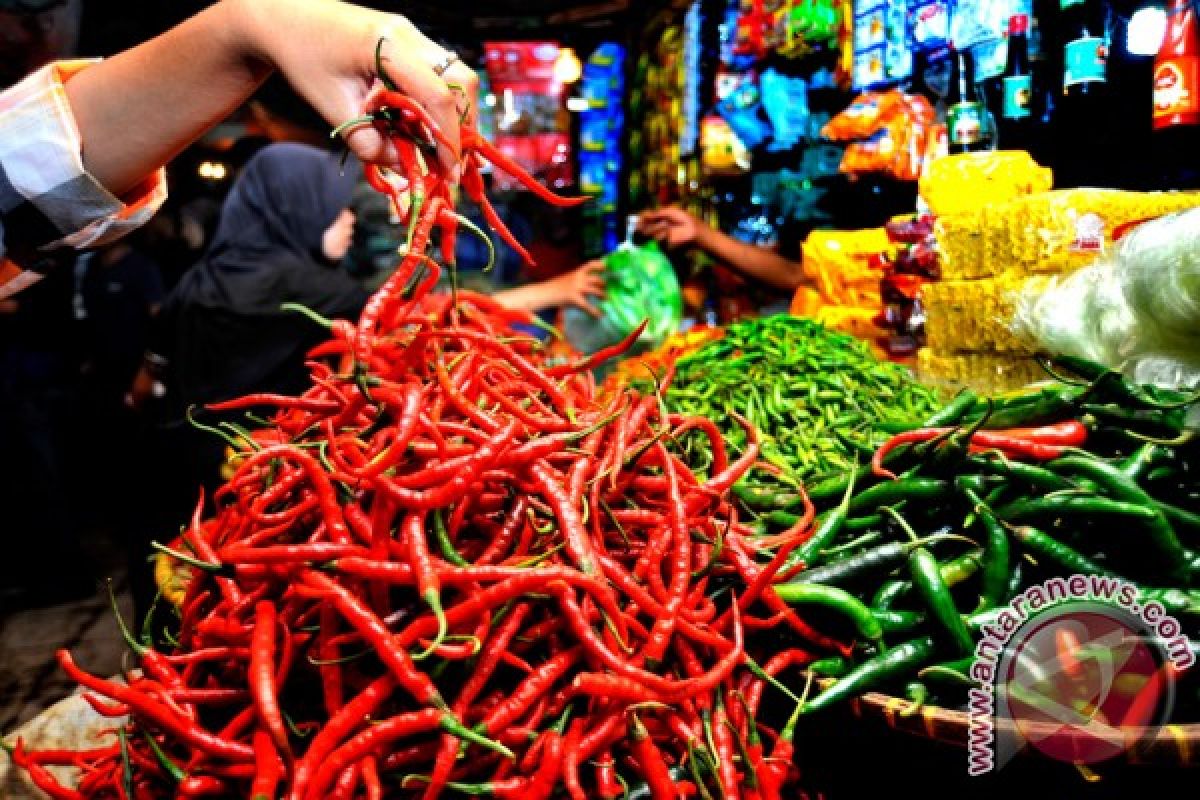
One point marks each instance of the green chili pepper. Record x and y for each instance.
(1046, 546)
(891, 492)
(1180, 517)
(916, 693)
(833, 598)
(927, 578)
(1070, 505)
(809, 552)
(875, 558)
(1175, 601)
(1142, 460)
(953, 412)
(898, 621)
(1123, 489)
(888, 593)
(831, 667)
(901, 660)
(444, 544)
(995, 554)
(1037, 477)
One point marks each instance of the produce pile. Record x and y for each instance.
(921, 550)
(449, 566)
(818, 398)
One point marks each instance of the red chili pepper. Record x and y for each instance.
(167, 720)
(1042, 444)
(373, 630)
(369, 741)
(473, 142)
(268, 769)
(372, 785)
(41, 776)
(727, 773)
(607, 785)
(262, 677)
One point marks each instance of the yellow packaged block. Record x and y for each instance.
(986, 373)
(969, 181)
(854, 321)
(1049, 233)
(975, 316)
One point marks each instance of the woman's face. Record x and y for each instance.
(335, 243)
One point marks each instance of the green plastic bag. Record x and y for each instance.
(641, 285)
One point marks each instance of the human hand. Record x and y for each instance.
(672, 227)
(326, 50)
(579, 286)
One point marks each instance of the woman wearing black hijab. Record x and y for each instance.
(283, 230)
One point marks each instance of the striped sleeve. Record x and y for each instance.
(49, 205)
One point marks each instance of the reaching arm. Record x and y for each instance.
(674, 228)
(138, 109)
(72, 138)
(576, 288)
(759, 263)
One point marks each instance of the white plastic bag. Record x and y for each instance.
(1137, 310)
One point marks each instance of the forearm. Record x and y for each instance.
(754, 261)
(533, 297)
(138, 109)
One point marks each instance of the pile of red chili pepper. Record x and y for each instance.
(451, 567)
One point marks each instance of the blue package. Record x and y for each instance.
(785, 102)
(741, 110)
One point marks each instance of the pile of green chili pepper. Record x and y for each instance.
(912, 554)
(819, 398)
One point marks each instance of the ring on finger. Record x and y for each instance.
(446, 63)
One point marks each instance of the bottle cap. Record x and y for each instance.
(1018, 24)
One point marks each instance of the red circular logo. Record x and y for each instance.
(1084, 685)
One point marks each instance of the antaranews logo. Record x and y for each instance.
(1076, 668)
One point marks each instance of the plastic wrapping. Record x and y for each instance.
(889, 131)
(972, 316)
(1137, 309)
(986, 373)
(969, 181)
(640, 284)
(839, 265)
(1046, 233)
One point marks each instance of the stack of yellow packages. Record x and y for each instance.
(1000, 232)
(842, 269)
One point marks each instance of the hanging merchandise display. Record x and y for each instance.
(968, 122)
(1015, 129)
(888, 133)
(1176, 96)
(601, 141)
(742, 109)
(531, 124)
(1177, 70)
(870, 44)
(666, 133)
(785, 102)
(929, 24)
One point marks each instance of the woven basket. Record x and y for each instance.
(1170, 745)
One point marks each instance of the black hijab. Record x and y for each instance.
(230, 335)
